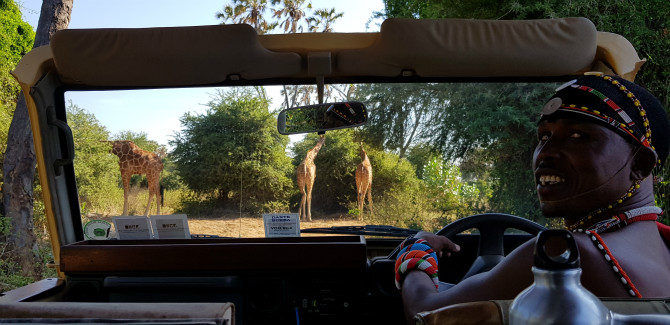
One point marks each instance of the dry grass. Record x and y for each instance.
(247, 227)
(253, 227)
(221, 222)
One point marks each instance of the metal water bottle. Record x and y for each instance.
(557, 295)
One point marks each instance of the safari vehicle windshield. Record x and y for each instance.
(278, 174)
(430, 153)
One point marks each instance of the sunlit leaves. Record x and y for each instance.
(233, 150)
(96, 170)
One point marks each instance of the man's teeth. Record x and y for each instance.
(550, 179)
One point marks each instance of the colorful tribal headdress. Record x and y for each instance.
(618, 104)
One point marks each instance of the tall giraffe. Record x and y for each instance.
(364, 181)
(305, 175)
(133, 160)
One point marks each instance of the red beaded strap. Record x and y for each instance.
(625, 280)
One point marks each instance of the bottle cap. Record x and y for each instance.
(556, 240)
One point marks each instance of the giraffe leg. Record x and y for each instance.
(303, 206)
(303, 198)
(159, 199)
(154, 191)
(310, 184)
(359, 200)
(369, 190)
(359, 192)
(308, 215)
(146, 211)
(126, 191)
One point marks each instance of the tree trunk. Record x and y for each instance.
(19, 162)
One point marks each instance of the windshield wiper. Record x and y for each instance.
(368, 230)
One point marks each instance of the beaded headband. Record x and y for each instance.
(624, 112)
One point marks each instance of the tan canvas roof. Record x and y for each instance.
(235, 54)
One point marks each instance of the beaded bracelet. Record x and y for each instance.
(416, 254)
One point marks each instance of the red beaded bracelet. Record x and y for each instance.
(416, 254)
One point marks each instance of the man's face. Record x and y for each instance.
(579, 167)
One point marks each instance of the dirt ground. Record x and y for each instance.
(253, 227)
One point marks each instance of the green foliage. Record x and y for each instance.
(391, 173)
(140, 139)
(419, 156)
(397, 193)
(447, 190)
(170, 179)
(233, 151)
(399, 113)
(16, 35)
(496, 126)
(16, 39)
(399, 196)
(489, 128)
(430, 9)
(96, 170)
(10, 275)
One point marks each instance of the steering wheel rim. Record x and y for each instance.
(491, 226)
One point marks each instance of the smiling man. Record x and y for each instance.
(601, 139)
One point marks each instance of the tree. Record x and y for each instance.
(431, 9)
(399, 113)
(247, 12)
(322, 20)
(233, 151)
(447, 190)
(96, 170)
(19, 160)
(293, 14)
(495, 126)
(16, 39)
(141, 139)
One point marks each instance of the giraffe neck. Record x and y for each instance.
(311, 154)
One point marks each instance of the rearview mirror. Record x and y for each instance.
(321, 117)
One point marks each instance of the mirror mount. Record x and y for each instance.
(319, 64)
(319, 88)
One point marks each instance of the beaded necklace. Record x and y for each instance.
(589, 216)
(649, 213)
(619, 221)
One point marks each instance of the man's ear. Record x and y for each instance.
(644, 161)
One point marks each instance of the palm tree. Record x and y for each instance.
(324, 19)
(247, 12)
(293, 12)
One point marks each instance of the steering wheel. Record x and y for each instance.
(492, 228)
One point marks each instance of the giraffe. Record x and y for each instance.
(364, 181)
(305, 176)
(133, 160)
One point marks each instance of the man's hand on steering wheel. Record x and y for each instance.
(440, 244)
